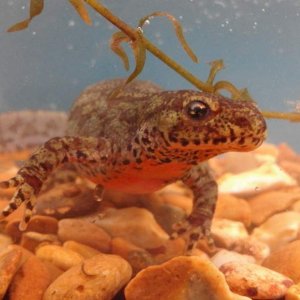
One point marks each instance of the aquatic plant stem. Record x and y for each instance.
(131, 32)
(293, 117)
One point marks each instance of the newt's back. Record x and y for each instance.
(97, 114)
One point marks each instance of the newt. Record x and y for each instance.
(142, 139)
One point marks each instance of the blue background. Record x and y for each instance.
(47, 65)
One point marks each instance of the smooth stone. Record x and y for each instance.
(97, 278)
(32, 240)
(225, 256)
(233, 208)
(10, 260)
(136, 225)
(286, 260)
(181, 278)
(266, 177)
(279, 229)
(255, 281)
(82, 249)
(84, 232)
(61, 257)
(30, 281)
(228, 233)
(138, 257)
(269, 203)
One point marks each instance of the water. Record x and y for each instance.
(47, 65)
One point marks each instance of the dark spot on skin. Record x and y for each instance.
(242, 141)
(80, 154)
(145, 141)
(138, 161)
(46, 166)
(184, 142)
(194, 236)
(13, 205)
(29, 205)
(181, 231)
(219, 140)
(136, 139)
(196, 142)
(232, 138)
(27, 219)
(93, 161)
(251, 291)
(5, 213)
(242, 122)
(165, 160)
(172, 137)
(164, 138)
(134, 152)
(126, 162)
(190, 247)
(149, 149)
(65, 160)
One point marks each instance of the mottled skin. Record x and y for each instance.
(143, 139)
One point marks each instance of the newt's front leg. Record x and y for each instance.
(40, 165)
(197, 225)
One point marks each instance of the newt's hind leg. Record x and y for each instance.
(40, 165)
(197, 225)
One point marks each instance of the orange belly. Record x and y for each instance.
(148, 179)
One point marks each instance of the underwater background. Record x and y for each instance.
(47, 65)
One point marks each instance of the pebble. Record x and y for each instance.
(266, 177)
(293, 293)
(41, 224)
(84, 232)
(223, 256)
(137, 257)
(286, 261)
(32, 240)
(253, 247)
(269, 203)
(170, 249)
(10, 260)
(5, 240)
(82, 249)
(233, 208)
(30, 281)
(97, 278)
(136, 225)
(181, 278)
(166, 214)
(255, 281)
(227, 233)
(279, 229)
(61, 257)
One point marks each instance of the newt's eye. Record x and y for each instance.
(197, 110)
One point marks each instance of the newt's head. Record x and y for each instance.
(208, 123)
